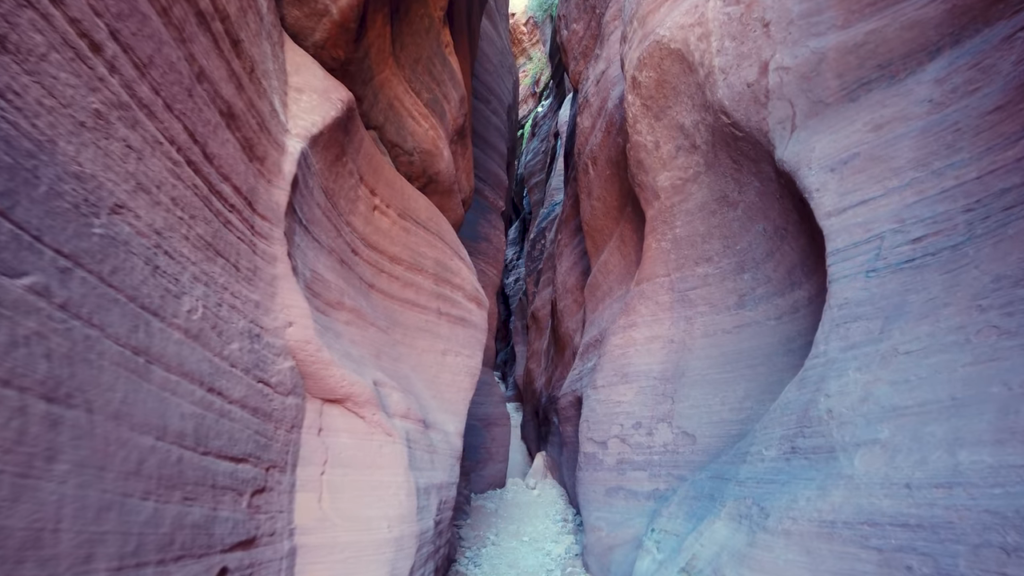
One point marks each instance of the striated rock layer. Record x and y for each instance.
(388, 341)
(150, 404)
(763, 297)
(402, 64)
(711, 408)
(235, 338)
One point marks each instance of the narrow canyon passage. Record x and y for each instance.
(527, 527)
(511, 287)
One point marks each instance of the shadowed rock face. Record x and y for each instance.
(485, 451)
(697, 428)
(400, 62)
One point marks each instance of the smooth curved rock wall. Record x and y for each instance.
(895, 448)
(388, 341)
(400, 61)
(612, 223)
(235, 340)
(711, 436)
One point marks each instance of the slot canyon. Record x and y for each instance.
(472, 288)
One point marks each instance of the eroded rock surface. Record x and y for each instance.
(400, 61)
(150, 404)
(388, 378)
(763, 298)
(712, 437)
(235, 339)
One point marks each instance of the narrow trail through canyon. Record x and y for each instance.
(526, 528)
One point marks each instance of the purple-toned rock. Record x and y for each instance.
(150, 406)
(235, 339)
(711, 435)
(485, 450)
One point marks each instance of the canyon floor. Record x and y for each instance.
(514, 531)
(527, 527)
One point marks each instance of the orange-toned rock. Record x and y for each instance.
(530, 40)
(387, 381)
(400, 62)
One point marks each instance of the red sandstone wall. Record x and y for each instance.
(699, 429)
(400, 62)
(234, 338)
(150, 404)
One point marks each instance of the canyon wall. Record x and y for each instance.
(485, 451)
(401, 63)
(240, 333)
(802, 287)
(151, 408)
(389, 347)
(763, 291)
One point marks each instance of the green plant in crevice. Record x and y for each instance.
(529, 125)
(541, 9)
(536, 66)
(524, 133)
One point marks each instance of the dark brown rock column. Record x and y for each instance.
(485, 448)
